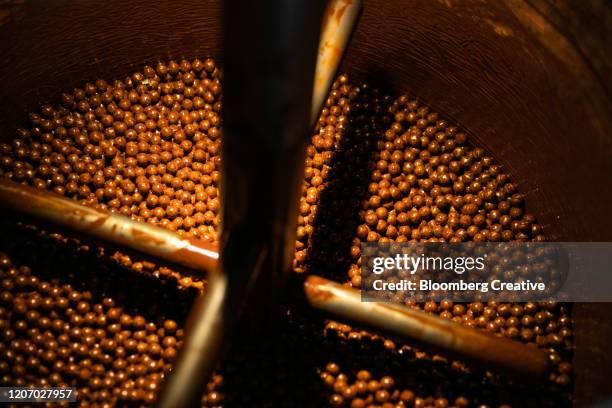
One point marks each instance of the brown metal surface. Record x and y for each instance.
(528, 83)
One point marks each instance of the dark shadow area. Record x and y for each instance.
(88, 268)
(437, 378)
(339, 207)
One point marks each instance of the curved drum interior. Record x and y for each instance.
(527, 80)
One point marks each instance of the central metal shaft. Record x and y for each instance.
(269, 64)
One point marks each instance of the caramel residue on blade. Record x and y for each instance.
(99, 222)
(342, 9)
(143, 236)
(314, 291)
(337, 13)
